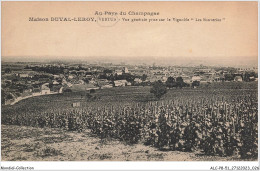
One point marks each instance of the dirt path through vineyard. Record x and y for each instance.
(20, 143)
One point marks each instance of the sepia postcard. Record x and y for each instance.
(129, 81)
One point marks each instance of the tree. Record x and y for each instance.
(92, 90)
(102, 76)
(158, 89)
(247, 76)
(195, 84)
(130, 78)
(229, 77)
(179, 82)
(107, 71)
(67, 90)
(8, 70)
(86, 80)
(144, 76)
(9, 96)
(170, 83)
(179, 79)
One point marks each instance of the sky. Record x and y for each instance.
(233, 41)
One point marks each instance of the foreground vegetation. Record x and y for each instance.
(220, 121)
(23, 143)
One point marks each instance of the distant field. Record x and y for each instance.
(124, 95)
(230, 85)
(13, 67)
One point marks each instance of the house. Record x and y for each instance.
(61, 90)
(27, 90)
(186, 79)
(45, 89)
(69, 84)
(57, 89)
(88, 76)
(22, 82)
(238, 79)
(128, 83)
(64, 81)
(195, 78)
(81, 72)
(252, 78)
(138, 80)
(219, 78)
(55, 76)
(163, 79)
(103, 83)
(119, 72)
(120, 83)
(23, 75)
(44, 80)
(36, 92)
(107, 86)
(93, 81)
(153, 79)
(203, 80)
(76, 104)
(72, 76)
(125, 70)
(55, 82)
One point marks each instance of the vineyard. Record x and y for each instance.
(219, 122)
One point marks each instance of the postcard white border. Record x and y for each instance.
(149, 165)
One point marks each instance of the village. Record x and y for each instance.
(24, 80)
